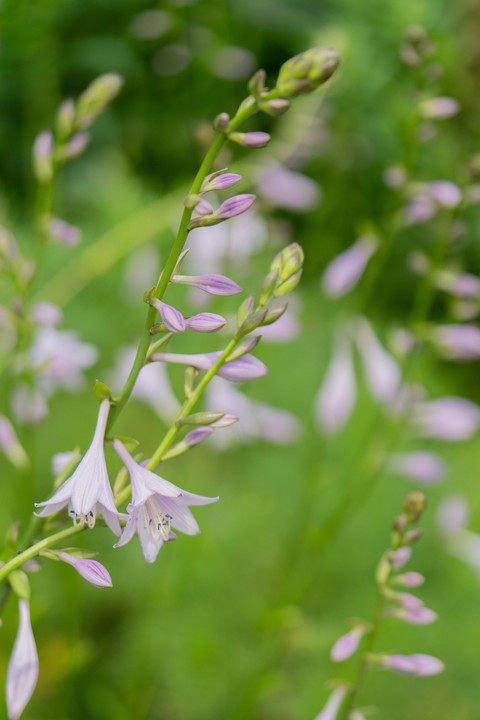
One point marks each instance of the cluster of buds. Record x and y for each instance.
(396, 602)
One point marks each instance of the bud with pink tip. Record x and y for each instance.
(172, 318)
(439, 108)
(205, 322)
(43, 156)
(409, 579)
(255, 139)
(419, 665)
(422, 466)
(347, 645)
(400, 557)
(221, 181)
(22, 671)
(448, 418)
(91, 570)
(210, 283)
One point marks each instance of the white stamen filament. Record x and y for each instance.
(157, 522)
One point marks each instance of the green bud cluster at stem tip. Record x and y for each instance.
(305, 72)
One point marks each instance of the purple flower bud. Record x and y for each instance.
(336, 397)
(246, 367)
(43, 155)
(334, 703)
(439, 108)
(426, 467)
(414, 616)
(418, 664)
(91, 570)
(345, 270)
(448, 418)
(221, 182)
(410, 579)
(400, 557)
(205, 322)
(210, 283)
(346, 646)
(194, 437)
(419, 210)
(383, 374)
(252, 139)
(203, 207)
(76, 145)
(458, 342)
(235, 206)
(461, 285)
(63, 232)
(45, 313)
(288, 189)
(409, 601)
(22, 671)
(446, 193)
(225, 421)
(172, 319)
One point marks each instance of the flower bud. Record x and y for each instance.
(75, 146)
(274, 314)
(63, 233)
(412, 536)
(189, 378)
(43, 156)
(217, 181)
(268, 286)
(207, 417)
(256, 84)
(91, 570)
(288, 262)
(274, 107)
(244, 347)
(289, 285)
(414, 505)
(222, 122)
(95, 99)
(65, 118)
(245, 309)
(255, 139)
(205, 322)
(439, 108)
(253, 321)
(304, 73)
(408, 579)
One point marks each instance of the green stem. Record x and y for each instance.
(32, 551)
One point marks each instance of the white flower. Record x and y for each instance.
(22, 671)
(157, 505)
(88, 492)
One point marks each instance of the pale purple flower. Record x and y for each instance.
(448, 418)
(419, 209)
(346, 645)
(243, 368)
(157, 506)
(28, 405)
(453, 515)
(445, 193)
(257, 420)
(210, 283)
(409, 601)
(382, 372)
(335, 400)
(198, 435)
(59, 358)
(400, 557)
(171, 318)
(42, 156)
(419, 665)
(203, 207)
(285, 188)
(235, 206)
(60, 461)
(345, 270)
(422, 466)
(334, 703)
(10, 444)
(220, 182)
(63, 232)
(458, 342)
(91, 570)
(439, 108)
(205, 322)
(152, 387)
(45, 313)
(87, 491)
(76, 145)
(22, 671)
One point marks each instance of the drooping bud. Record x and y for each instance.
(232, 207)
(91, 570)
(22, 671)
(305, 72)
(274, 107)
(254, 139)
(210, 283)
(222, 181)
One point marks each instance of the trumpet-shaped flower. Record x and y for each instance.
(157, 506)
(88, 492)
(22, 672)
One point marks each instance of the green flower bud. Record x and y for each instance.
(304, 73)
(414, 505)
(288, 285)
(256, 85)
(222, 122)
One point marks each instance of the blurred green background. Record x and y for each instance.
(237, 622)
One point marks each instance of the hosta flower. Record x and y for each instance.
(418, 664)
(346, 645)
(288, 189)
(448, 418)
(87, 492)
(157, 506)
(422, 466)
(22, 671)
(336, 397)
(382, 372)
(345, 270)
(243, 368)
(334, 703)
